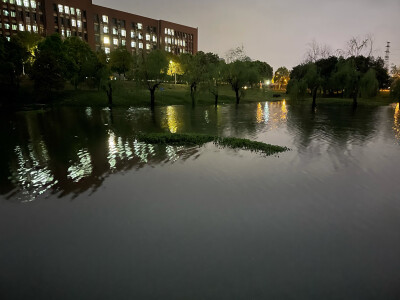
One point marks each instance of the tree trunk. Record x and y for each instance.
(237, 96)
(216, 100)
(152, 98)
(314, 98)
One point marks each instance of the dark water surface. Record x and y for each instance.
(87, 212)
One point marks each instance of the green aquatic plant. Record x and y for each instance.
(201, 139)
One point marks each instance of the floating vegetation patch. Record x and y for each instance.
(201, 139)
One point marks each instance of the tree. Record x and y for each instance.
(150, 70)
(316, 52)
(194, 69)
(282, 76)
(236, 54)
(174, 67)
(83, 60)
(239, 74)
(214, 78)
(395, 90)
(121, 60)
(51, 66)
(264, 70)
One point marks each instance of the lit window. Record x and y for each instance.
(166, 40)
(19, 2)
(184, 43)
(166, 48)
(14, 27)
(13, 14)
(21, 27)
(123, 32)
(115, 30)
(140, 36)
(72, 10)
(169, 49)
(148, 46)
(172, 32)
(107, 50)
(5, 12)
(79, 23)
(105, 19)
(139, 26)
(28, 27)
(166, 31)
(12, 1)
(7, 26)
(68, 32)
(140, 45)
(154, 38)
(147, 37)
(133, 44)
(115, 42)
(105, 29)
(169, 40)
(169, 31)
(26, 3)
(78, 12)
(123, 42)
(73, 22)
(66, 9)
(35, 29)
(62, 32)
(33, 4)
(60, 8)
(106, 40)
(132, 34)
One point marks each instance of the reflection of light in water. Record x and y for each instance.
(206, 117)
(88, 112)
(172, 152)
(112, 150)
(396, 126)
(266, 113)
(81, 169)
(259, 113)
(143, 150)
(32, 175)
(172, 119)
(284, 110)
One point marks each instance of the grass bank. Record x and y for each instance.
(382, 99)
(129, 94)
(201, 139)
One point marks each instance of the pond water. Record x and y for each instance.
(87, 212)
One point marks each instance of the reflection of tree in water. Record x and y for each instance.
(335, 126)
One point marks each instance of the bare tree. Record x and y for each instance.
(317, 51)
(236, 54)
(357, 46)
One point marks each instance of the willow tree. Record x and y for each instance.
(151, 70)
(240, 74)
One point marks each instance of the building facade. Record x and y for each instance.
(103, 28)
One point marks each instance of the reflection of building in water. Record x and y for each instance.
(31, 174)
(396, 125)
(173, 152)
(83, 168)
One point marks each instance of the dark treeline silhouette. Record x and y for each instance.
(352, 77)
(49, 63)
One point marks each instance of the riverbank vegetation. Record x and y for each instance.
(201, 139)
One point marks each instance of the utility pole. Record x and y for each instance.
(387, 52)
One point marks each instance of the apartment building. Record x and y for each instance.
(103, 28)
